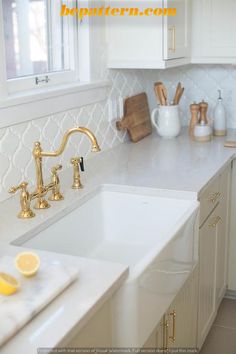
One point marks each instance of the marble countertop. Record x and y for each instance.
(179, 164)
(71, 310)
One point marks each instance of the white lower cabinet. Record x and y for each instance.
(207, 276)
(223, 236)
(189, 318)
(97, 332)
(232, 236)
(183, 328)
(178, 327)
(213, 245)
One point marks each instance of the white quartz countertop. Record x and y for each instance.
(179, 164)
(174, 164)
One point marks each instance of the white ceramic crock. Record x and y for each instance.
(166, 120)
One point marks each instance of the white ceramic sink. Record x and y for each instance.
(153, 234)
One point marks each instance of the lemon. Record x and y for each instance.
(27, 263)
(8, 284)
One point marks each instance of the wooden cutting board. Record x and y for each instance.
(136, 117)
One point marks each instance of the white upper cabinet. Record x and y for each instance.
(213, 31)
(176, 30)
(153, 42)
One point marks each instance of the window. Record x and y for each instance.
(40, 45)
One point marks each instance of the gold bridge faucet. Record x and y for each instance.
(54, 186)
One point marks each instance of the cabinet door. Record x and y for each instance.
(160, 335)
(207, 274)
(97, 332)
(156, 339)
(222, 237)
(214, 31)
(182, 315)
(176, 31)
(232, 233)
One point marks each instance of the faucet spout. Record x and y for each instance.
(38, 154)
(86, 131)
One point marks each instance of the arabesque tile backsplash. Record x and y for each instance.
(16, 142)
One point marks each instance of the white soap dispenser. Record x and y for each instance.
(219, 121)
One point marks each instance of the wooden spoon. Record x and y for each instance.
(178, 94)
(161, 93)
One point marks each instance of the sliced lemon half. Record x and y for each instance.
(27, 263)
(8, 284)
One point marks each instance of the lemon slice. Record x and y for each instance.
(27, 263)
(8, 284)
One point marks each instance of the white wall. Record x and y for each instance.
(200, 81)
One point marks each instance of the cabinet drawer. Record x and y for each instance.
(209, 198)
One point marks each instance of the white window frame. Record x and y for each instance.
(28, 83)
(27, 105)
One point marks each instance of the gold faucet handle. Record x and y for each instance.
(55, 169)
(56, 194)
(78, 162)
(25, 199)
(22, 186)
(75, 161)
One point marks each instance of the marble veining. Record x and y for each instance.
(34, 294)
(70, 311)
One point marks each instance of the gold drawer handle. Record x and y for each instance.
(173, 337)
(173, 46)
(166, 349)
(213, 197)
(217, 219)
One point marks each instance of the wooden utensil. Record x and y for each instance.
(178, 94)
(161, 93)
(136, 117)
(230, 144)
(178, 88)
(158, 94)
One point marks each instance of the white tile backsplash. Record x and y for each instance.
(16, 142)
(200, 82)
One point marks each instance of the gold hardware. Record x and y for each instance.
(38, 154)
(54, 186)
(173, 46)
(56, 195)
(217, 219)
(166, 326)
(25, 199)
(213, 197)
(75, 161)
(173, 314)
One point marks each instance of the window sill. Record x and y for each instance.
(31, 105)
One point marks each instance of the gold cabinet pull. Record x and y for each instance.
(173, 337)
(166, 349)
(213, 197)
(173, 32)
(217, 219)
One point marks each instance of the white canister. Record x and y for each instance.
(219, 122)
(166, 120)
(202, 132)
